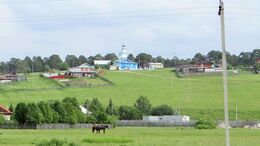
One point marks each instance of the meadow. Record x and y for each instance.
(126, 136)
(198, 96)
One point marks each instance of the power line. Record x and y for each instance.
(68, 17)
(28, 1)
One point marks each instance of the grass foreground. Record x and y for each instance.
(134, 136)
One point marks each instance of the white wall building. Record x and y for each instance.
(102, 62)
(155, 65)
(167, 119)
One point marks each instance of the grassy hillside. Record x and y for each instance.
(195, 96)
(133, 137)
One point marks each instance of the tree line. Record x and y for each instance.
(68, 111)
(40, 64)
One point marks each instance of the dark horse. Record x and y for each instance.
(99, 127)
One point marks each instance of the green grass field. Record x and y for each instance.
(133, 137)
(196, 96)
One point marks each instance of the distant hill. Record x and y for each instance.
(196, 96)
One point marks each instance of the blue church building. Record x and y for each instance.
(123, 63)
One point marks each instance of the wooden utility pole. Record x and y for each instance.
(224, 66)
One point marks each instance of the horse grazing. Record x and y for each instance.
(99, 127)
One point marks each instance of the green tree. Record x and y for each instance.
(131, 57)
(199, 58)
(20, 112)
(47, 112)
(63, 66)
(162, 110)
(82, 59)
(110, 108)
(101, 117)
(214, 57)
(143, 59)
(72, 60)
(34, 114)
(129, 113)
(54, 61)
(143, 104)
(111, 56)
(37, 64)
(95, 106)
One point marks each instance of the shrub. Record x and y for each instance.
(206, 124)
(162, 110)
(112, 120)
(143, 104)
(56, 142)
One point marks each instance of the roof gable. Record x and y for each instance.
(124, 61)
(4, 110)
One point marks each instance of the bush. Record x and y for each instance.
(162, 110)
(91, 119)
(206, 124)
(56, 142)
(129, 113)
(112, 120)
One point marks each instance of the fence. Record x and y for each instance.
(45, 126)
(140, 123)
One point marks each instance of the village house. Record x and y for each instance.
(187, 69)
(123, 63)
(5, 113)
(8, 78)
(258, 60)
(155, 65)
(84, 70)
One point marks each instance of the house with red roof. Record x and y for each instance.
(5, 112)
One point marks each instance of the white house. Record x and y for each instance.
(155, 65)
(167, 119)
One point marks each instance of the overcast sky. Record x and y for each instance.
(158, 27)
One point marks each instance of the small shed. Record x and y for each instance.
(155, 65)
(5, 112)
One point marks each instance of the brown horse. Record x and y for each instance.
(99, 127)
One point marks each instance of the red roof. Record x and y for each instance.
(5, 111)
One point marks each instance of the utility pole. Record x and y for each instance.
(224, 66)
